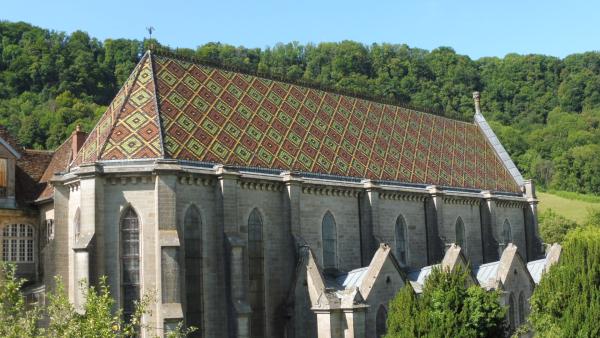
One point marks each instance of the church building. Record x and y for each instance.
(256, 207)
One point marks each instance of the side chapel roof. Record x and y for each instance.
(177, 109)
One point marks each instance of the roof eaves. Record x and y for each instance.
(10, 148)
(499, 149)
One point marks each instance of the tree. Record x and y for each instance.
(16, 318)
(566, 303)
(554, 227)
(448, 307)
(95, 318)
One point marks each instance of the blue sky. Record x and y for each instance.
(476, 28)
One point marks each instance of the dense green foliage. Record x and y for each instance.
(96, 318)
(448, 307)
(546, 110)
(554, 227)
(566, 303)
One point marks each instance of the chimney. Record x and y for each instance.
(77, 139)
(476, 99)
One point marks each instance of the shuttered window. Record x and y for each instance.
(3, 176)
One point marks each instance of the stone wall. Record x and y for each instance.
(291, 210)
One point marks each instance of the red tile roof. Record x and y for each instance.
(171, 108)
(60, 162)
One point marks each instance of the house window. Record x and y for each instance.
(50, 229)
(329, 234)
(192, 235)
(401, 240)
(256, 274)
(380, 322)
(17, 243)
(3, 177)
(460, 233)
(506, 233)
(130, 261)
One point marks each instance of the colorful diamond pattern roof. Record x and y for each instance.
(129, 129)
(210, 114)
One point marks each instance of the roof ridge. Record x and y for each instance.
(138, 69)
(159, 122)
(306, 83)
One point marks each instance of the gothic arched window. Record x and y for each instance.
(511, 311)
(521, 308)
(380, 322)
(130, 260)
(192, 237)
(400, 237)
(506, 232)
(329, 234)
(256, 274)
(17, 243)
(460, 233)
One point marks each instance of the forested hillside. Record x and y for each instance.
(546, 110)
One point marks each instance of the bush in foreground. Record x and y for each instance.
(96, 318)
(448, 307)
(566, 303)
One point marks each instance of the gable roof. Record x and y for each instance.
(171, 108)
(59, 163)
(7, 140)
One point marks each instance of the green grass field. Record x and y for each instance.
(573, 209)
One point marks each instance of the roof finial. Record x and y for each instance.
(150, 29)
(78, 127)
(476, 99)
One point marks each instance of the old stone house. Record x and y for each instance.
(262, 208)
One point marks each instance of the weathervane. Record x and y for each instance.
(150, 29)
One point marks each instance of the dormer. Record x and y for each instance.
(8, 158)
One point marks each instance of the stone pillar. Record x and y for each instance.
(355, 323)
(434, 205)
(58, 256)
(325, 325)
(368, 201)
(238, 282)
(491, 251)
(533, 242)
(236, 252)
(291, 202)
(82, 273)
(166, 194)
(165, 190)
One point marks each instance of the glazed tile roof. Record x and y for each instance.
(170, 108)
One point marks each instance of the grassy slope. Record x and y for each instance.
(570, 208)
